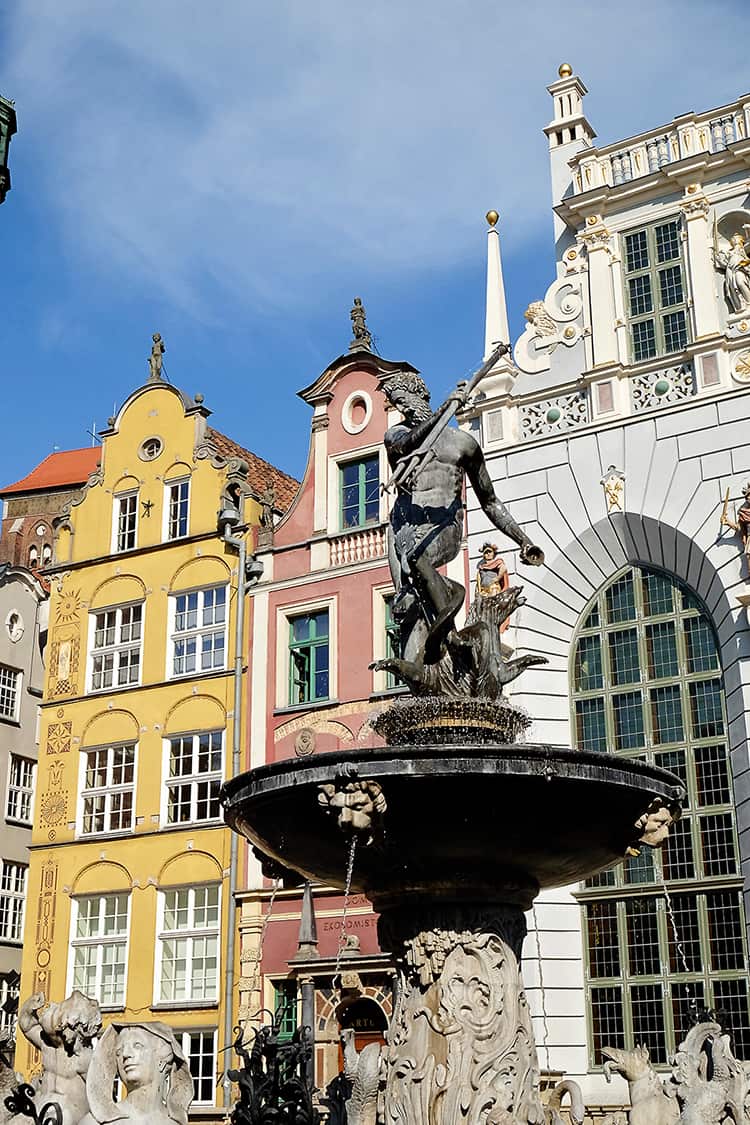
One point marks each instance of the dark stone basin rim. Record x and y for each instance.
(556, 762)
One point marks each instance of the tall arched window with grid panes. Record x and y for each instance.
(647, 683)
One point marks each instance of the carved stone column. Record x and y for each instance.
(461, 1042)
(597, 239)
(696, 209)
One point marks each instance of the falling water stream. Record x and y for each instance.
(347, 893)
(545, 1025)
(659, 872)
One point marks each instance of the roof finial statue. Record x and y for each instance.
(362, 340)
(155, 359)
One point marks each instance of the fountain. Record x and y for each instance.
(455, 824)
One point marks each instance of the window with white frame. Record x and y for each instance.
(12, 900)
(116, 647)
(178, 508)
(9, 681)
(20, 789)
(194, 772)
(126, 521)
(655, 290)
(99, 940)
(199, 632)
(108, 788)
(199, 1048)
(189, 945)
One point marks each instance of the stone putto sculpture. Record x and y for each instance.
(65, 1033)
(147, 1058)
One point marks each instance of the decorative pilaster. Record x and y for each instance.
(597, 239)
(461, 1046)
(696, 210)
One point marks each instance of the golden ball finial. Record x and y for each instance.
(565, 70)
(492, 217)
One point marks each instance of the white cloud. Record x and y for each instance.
(250, 152)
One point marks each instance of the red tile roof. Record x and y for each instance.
(261, 472)
(66, 469)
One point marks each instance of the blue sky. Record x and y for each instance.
(232, 175)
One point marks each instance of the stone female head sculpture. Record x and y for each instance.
(150, 1063)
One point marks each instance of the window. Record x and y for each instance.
(99, 947)
(199, 638)
(33, 556)
(116, 647)
(285, 1008)
(20, 789)
(108, 787)
(309, 658)
(178, 502)
(199, 1048)
(392, 642)
(9, 683)
(189, 945)
(655, 297)
(360, 492)
(194, 777)
(12, 899)
(647, 682)
(126, 521)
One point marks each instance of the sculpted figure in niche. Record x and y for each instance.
(149, 1061)
(65, 1034)
(735, 263)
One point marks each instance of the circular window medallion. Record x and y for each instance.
(41, 530)
(356, 412)
(150, 449)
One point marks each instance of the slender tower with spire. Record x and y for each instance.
(496, 330)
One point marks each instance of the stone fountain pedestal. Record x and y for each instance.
(453, 844)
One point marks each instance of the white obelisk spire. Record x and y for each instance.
(496, 329)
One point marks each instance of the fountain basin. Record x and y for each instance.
(497, 821)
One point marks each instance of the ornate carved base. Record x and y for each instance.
(461, 1047)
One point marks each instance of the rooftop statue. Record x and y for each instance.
(155, 360)
(64, 1033)
(149, 1061)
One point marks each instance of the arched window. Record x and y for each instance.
(33, 556)
(46, 554)
(647, 683)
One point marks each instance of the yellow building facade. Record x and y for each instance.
(129, 881)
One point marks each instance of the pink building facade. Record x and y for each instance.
(320, 618)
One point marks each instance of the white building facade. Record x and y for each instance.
(615, 437)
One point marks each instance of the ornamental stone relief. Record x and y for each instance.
(553, 415)
(550, 323)
(741, 367)
(660, 388)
